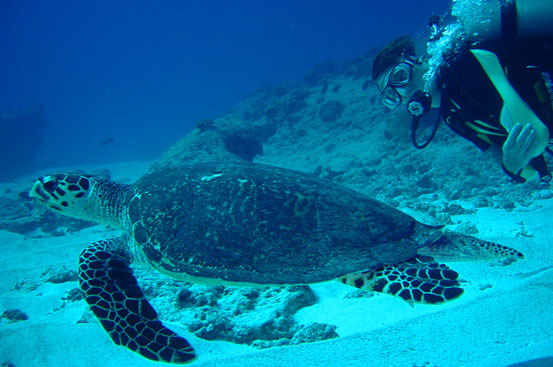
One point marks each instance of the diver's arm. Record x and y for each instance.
(521, 146)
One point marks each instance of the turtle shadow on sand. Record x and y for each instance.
(246, 224)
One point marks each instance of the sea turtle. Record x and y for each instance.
(245, 224)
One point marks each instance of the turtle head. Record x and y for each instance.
(64, 193)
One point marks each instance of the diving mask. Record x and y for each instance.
(397, 77)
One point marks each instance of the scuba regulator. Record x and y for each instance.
(420, 102)
(419, 105)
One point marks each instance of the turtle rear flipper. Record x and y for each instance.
(119, 304)
(462, 247)
(419, 280)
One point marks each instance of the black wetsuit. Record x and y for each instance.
(471, 106)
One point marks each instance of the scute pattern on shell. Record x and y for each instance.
(252, 223)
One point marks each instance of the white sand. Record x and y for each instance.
(505, 316)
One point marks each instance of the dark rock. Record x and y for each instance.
(24, 196)
(426, 182)
(359, 293)
(389, 135)
(26, 285)
(205, 124)
(296, 101)
(457, 209)
(212, 327)
(14, 315)
(331, 111)
(480, 202)
(60, 275)
(208, 297)
(318, 171)
(86, 318)
(507, 204)
(368, 172)
(75, 294)
(185, 298)
(277, 113)
(314, 332)
(196, 147)
(244, 148)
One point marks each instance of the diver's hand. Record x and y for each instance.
(517, 149)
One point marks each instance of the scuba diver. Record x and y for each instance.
(494, 88)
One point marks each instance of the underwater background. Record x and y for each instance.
(122, 80)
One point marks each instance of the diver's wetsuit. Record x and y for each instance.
(471, 105)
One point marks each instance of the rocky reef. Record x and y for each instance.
(261, 317)
(334, 126)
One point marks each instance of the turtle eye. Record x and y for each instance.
(49, 184)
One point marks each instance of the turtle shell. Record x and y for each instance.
(252, 223)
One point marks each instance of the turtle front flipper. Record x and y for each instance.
(119, 304)
(420, 279)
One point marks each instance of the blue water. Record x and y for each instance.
(122, 80)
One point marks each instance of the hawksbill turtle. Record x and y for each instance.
(245, 224)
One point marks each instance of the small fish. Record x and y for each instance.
(106, 142)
